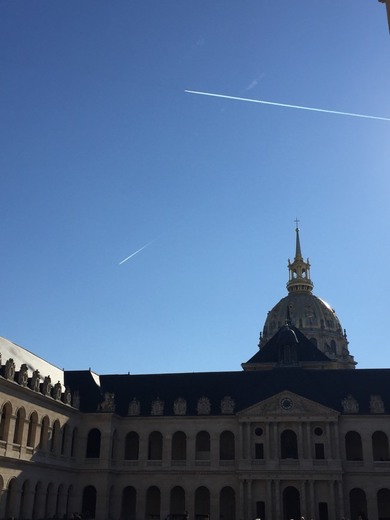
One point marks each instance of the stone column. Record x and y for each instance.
(214, 505)
(278, 500)
(303, 499)
(167, 451)
(301, 450)
(328, 443)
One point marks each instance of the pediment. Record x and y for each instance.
(287, 404)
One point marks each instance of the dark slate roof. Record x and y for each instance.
(246, 388)
(305, 349)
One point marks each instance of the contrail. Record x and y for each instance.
(287, 106)
(136, 252)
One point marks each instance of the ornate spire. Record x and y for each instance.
(299, 270)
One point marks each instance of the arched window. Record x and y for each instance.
(32, 429)
(288, 445)
(227, 504)
(38, 508)
(202, 446)
(5, 419)
(64, 438)
(383, 499)
(88, 508)
(291, 503)
(226, 446)
(380, 446)
(177, 504)
(132, 446)
(55, 437)
(19, 426)
(179, 446)
(93, 444)
(202, 503)
(12, 500)
(24, 509)
(155, 446)
(73, 444)
(153, 503)
(114, 445)
(44, 437)
(353, 446)
(129, 501)
(358, 504)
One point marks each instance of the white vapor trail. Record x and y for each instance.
(135, 252)
(249, 100)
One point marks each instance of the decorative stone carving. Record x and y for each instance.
(108, 404)
(35, 381)
(203, 407)
(180, 406)
(76, 400)
(10, 369)
(376, 404)
(227, 405)
(57, 391)
(23, 375)
(67, 396)
(134, 408)
(350, 405)
(47, 386)
(157, 407)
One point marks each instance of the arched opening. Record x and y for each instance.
(155, 446)
(44, 436)
(153, 503)
(291, 503)
(383, 499)
(55, 437)
(64, 438)
(226, 446)
(88, 508)
(129, 500)
(32, 430)
(132, 446)
(202, 446)
(38, 501)
(353, 446)
(357, 504)
(288, 445)
(51, 500)
(177, 504)
(202, 503)
(179, 446)
(227, 504)
(93, 444)
(24, 510)
(114, 445)
(380, 446)
(11, 504)
(19, 426)
(73, 444)
(5, 419)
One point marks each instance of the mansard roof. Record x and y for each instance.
(245, 388)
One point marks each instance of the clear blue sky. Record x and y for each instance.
(104, 152)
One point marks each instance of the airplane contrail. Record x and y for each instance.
(135, 252)
(249, 100)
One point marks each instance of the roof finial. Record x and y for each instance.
(299, 270)
(298, 254)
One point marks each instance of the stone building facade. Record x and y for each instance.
(297, 432)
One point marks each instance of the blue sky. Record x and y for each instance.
(103, 152)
